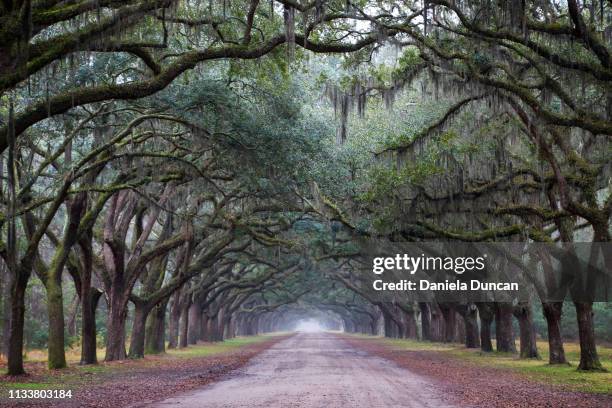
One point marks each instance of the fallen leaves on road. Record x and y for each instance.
(478, 386)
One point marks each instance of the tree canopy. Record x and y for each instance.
(195, 170)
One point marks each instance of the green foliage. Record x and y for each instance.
(602, 317)
(409, 59)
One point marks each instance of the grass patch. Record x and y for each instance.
(73, 355)
(538, 370)
(29, 386)
(207, 349)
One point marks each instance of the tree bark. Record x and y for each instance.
(450, 322)
(552, 314)
(411, 325)
(219, 324)
(204, 333)
(184, 327)
(589, 360)
(528, 345)
(348, 326)
(388, 324)
(173, 321)
(55, 311)
(115, 330)
(160, 335)
(137, 342)
(15, 349)
(89, 304)
(425, 321)
(5, 312)
(469, 314)
(155, 330)
(227, 330)
(252, 325)
(437, 323)
(485, 310)
(504, 333)
(373, 326)
(194, 323)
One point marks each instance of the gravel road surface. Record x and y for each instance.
(315, 370)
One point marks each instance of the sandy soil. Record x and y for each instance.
(315, 370)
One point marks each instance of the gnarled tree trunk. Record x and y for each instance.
(155, 330)
(552, 313)
(184, 326)
(55, 312)
(15, 342)
(425, 321)
(195, 318)
(137, 341)
(115, 329)
(589, 359)
(528, 345)
(487, 313)
(504, 333)
(173, 321)
(450, 321)
(469, 313)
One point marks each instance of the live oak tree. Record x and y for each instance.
(174, 154)
(516, 59)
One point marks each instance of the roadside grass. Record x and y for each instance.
(205, 349)
(73, 355)
(31, 386)
(76, 376)
(538, 370)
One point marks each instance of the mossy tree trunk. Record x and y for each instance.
(552, 313)
(469, 313)
(195, 323)
(184, 325)
(528, 344)
(115, 329)
(450, 321)
(89, 303)
(174, 320)
(155, 330)
(425, 321)
(55, 312)
(487, 314)
(589, 359)
(15, 342)
(504, 333)
(137, 341)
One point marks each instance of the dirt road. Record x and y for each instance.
(315, 370)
